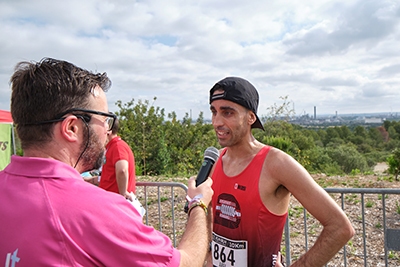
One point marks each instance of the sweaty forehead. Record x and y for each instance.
(223, 104)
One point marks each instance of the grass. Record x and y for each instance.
(294, 234)
(369, 204)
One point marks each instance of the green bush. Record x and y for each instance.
(394, 163)
(392, 144)
(335, 142)
(303, 142)
(348, 158)
(331, 169)
(282, 143)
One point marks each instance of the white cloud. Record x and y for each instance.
(336, 55)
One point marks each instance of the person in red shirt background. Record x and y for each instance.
(118, 171)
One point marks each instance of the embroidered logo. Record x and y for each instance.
(227, 211)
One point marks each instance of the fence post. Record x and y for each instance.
(287, 242)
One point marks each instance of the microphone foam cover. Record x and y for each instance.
(211, 153)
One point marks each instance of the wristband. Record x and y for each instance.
(189, 201)
(198, 203)
(194, 202)
(198, 197)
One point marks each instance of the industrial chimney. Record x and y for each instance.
(315, 112)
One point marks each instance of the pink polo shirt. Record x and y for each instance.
(50, 216)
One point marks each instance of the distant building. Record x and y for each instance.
(373, 120)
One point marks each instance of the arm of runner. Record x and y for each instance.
(122, 177)
(337, 228)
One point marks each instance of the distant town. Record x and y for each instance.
(371, 119)
(322, 121)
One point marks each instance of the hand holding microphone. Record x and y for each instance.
(211, 155)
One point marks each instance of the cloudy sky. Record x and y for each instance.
(340, 56)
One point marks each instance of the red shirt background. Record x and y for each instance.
(117, 149)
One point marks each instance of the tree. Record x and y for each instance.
(140, 127)
(331, 133)
(384, 133)
(387, 124)
(375, 135)
(360, 131)
(277, 114)
(348, 158)
(394, 163)
(302, 141)
(345, 132)
(186, 143)
(281, 112)
(323, 136)
(396, 126)
(321, 162)
(392, 132)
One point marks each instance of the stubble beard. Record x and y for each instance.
(237, 135)
(93, 157)
(232, 141)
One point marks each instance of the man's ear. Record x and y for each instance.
(251, 118)
(70, 127)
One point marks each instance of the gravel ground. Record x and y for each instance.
(373, 210)
(173, 224)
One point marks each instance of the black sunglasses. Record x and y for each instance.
(59, 117)
(110, 117)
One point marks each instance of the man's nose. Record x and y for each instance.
(217, 120)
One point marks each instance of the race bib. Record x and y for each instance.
(227, 252)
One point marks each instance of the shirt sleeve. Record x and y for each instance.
(111, 233)
(121, 152)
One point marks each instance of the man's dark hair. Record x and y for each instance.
(115, 127)
(44, 89)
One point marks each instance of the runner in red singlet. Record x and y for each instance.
(252, 187)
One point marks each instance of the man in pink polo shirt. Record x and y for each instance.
(48, 215)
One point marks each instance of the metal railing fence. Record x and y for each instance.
(158, 185)
(390, 244)
(391, 236)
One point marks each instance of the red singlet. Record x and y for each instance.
(240, 215)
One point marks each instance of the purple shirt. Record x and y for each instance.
(50, 216)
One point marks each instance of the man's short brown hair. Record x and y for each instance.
(44, 89)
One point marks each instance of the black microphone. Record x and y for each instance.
(211, 155)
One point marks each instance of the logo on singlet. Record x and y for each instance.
(240, 187)
(227, 211)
